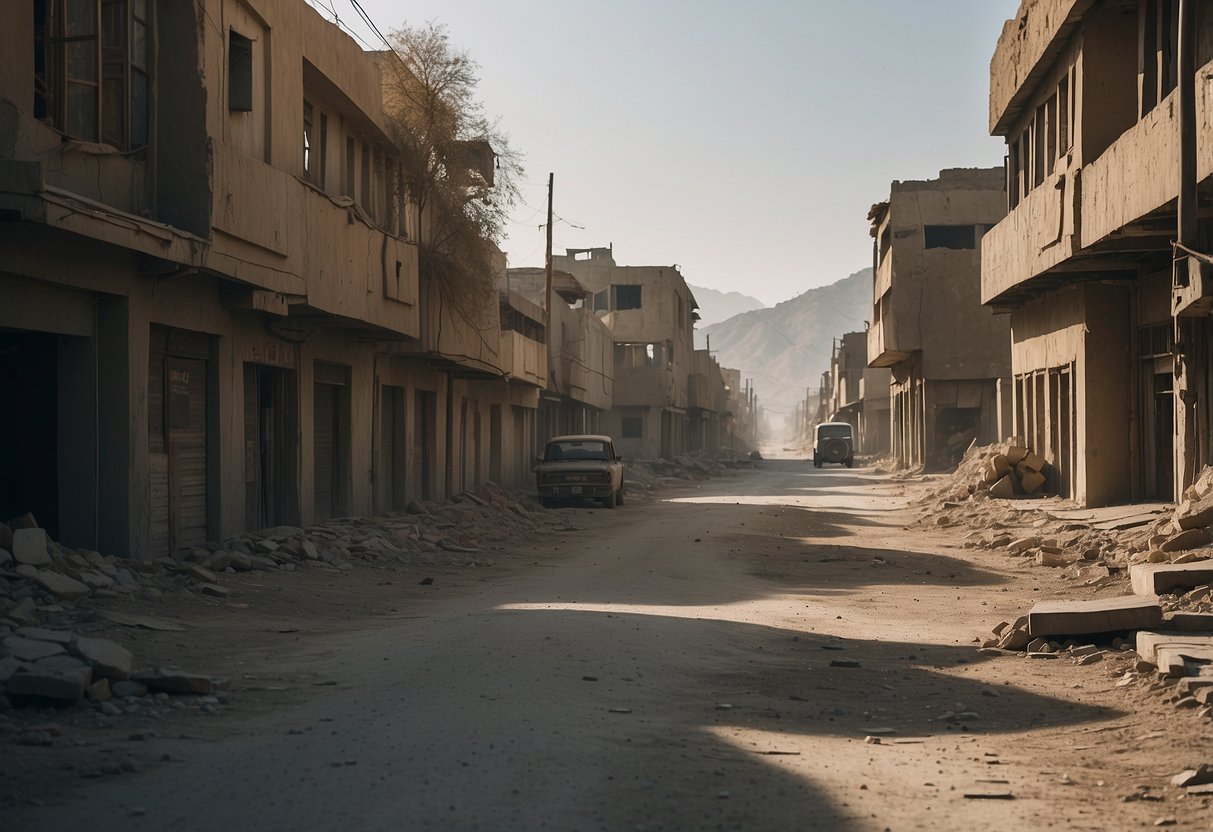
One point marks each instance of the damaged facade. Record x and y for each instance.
(946, 352)
(667, 400)
(210, 301)
(1110, 350)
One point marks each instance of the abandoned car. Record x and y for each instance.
(833, 442)
(580, 468)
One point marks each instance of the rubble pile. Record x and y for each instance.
(47, 590)
(1002, 471)
(692, 466)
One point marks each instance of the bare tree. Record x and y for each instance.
(457, 164)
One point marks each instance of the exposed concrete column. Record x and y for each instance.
(123, 501)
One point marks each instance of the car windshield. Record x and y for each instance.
(830, 431)
(573, 451)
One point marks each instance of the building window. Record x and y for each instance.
(91, 69)
(309, 156)
(350, 151)
(626, 297)
(949, 236)
(633, 427)
(239, 72)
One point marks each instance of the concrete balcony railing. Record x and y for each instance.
(523, 359)
(278, 233)
(1035, 236)
(884, 349)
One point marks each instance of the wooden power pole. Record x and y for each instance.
(547, 292)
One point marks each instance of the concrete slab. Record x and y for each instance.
(1160, 578)
(1148, 642)
(1179, 660)
(1104, 615)
(1188, 621)
(1113, 518)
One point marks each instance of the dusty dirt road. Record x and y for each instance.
(712, 660)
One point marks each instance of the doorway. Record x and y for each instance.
(271, 425)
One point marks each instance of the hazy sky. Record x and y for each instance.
(744, 142)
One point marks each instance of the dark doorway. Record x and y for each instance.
(29, 481)
(394, 459)
(1164, 437)
(331, 408)
(271, 425)
(424, 437)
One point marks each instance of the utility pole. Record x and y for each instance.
(547, 292)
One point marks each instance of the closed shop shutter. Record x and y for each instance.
(185, 395)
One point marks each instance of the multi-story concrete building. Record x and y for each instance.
(946, 351)
(708, 414)
(209, 285)
(1086, 95)
(650, 312)
(859, 394)
(581, 381)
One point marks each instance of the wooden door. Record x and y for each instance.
(185, 433)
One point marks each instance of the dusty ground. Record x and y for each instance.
(713, 660)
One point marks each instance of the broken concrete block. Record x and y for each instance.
(1152, 646)
(1188, 621)
(99, 691)
(1023, 544)
(1031, 481)
(214, 590)
(48, 684)
(63, 637)
(1162, 578)
(1196, 514)
(1004, 489)
(198, 573)
(30, 650)
(25, 612)
(30, 546)
(108, 659)
(173, 680)
(1032, 462)
(1015, 638)
(61, 586)
(1190, 539)
(1194, 555)
(1104, 615)
(1046, 558)
(997, 467)
(1178, 660)
(1015, 455)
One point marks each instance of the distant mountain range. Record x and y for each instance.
(785, 348)
(715, 306)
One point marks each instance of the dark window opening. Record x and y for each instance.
(626, 297)
(309, 159)
(239, 72)
(633, 427)
(949, 236)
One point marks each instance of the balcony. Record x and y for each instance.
(1036, 236)
(884, 349)
(523, 359)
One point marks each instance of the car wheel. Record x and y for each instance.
(609, 502)
(850, 463)
(619, 496)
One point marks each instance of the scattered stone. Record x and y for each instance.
(172, 680)
(61, 586)
(1187, 539)
(25, 612)
(108, 659)
(63, 686)
(30, 547)
(1160, 578)
(30, 650)
(198, 573)
(846, 663)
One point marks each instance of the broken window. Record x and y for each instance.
(1050, 134)
(91, 69)
(949, 236)
(239, 72)
(651, 355)
(626, 297)
(632, 427)
(1063, 115)
(1038, 146)
(308, 155)
(601, 303)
